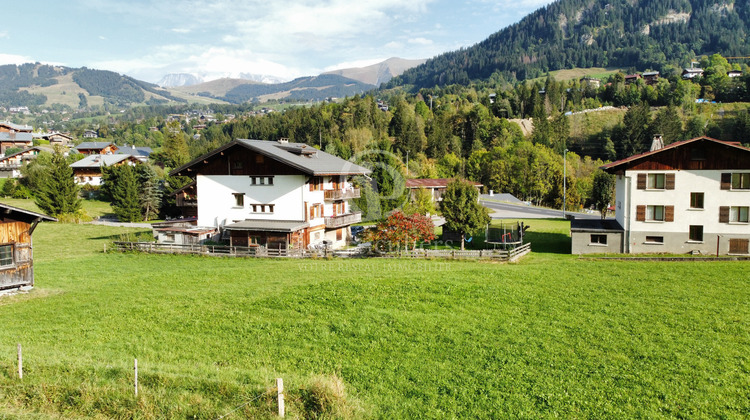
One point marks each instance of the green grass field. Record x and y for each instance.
(553, 336)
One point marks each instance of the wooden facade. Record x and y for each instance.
(16, 257)
(238, 160)
(701, 153)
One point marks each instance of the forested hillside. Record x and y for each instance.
(663, 35)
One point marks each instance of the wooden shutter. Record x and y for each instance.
(641, 184)
(640, 213)
(726, 181)
(739, 246)
(669, 213)
(724, 214)
(669, 183)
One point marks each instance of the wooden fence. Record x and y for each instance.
(243, 251)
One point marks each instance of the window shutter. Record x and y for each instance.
(640, 213)
(669, 183)
(669, 213)
(641, 185)
(724, 214)
(726, 181)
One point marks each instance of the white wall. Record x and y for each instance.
(217, 206)
(686, 182)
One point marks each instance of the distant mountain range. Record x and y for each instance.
(189, 79)
(379, 73)
(41, 84)
(641, 34)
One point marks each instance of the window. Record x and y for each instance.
(599, 239)
(654, 239)
(262, 208)
(696, 233)
(655, 213)
(239, 199)
(739, 246)
(696, 200)
(261, 180)
(259, 159)
(237, 164)
(6, 255)
(316, 210)
(738, 214)
(169, 238)
(741, 181)
(656, 181)
(316, 183)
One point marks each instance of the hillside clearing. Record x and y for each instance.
(552, 336)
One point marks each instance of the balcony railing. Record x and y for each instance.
(341, 194)
(343, 220)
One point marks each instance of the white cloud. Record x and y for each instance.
(420, 41)
(102, 37)
(14, 59)
(181, 30)
(4, 35)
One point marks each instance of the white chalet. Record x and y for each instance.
(691, 196)
(274, 194)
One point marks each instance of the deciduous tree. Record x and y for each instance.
(461, 209)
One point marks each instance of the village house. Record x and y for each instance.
(16, 256)
(275, 194)
(15, 136)
(692, 73)
(96, 148)
(10, 166)
(691, 196)
(650, 77)
(90, 134)
(55, 138)
(436, 187)
(88, 171)
(632, 78)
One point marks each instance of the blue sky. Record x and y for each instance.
(283, 38)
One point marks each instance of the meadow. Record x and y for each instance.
(551, 336)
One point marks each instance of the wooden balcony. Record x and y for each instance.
(331, 195)
(343, 220)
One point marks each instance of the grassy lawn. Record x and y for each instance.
(93, 208)
(549, 337)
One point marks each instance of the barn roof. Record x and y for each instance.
(300, 156)
(22, 215)
(631, 160)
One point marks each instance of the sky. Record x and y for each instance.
(283, 38)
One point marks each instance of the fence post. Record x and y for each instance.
(20, 362)
(135, 377)
(280, 395)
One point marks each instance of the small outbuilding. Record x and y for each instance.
(16, 259)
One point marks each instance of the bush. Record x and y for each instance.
(325, 397)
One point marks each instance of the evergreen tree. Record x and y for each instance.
(57, 191)
(461, 209)
(150, 192)
(125, 199)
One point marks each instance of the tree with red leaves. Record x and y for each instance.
(399, 230)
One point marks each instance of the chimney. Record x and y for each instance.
(657, 143)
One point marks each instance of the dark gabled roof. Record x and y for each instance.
(16, 127)
(286, 226)
(38, 148)
(97, 161)
(135, 151)
(97, 145)
(595, 225)
(625, 163)
(302, 157)
(184, 188)
(17, 136)
(23, 215)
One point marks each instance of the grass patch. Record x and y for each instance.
(551, 336)
(93, 208)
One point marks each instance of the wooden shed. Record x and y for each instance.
(16, 259)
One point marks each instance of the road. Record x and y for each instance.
(500, 210)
